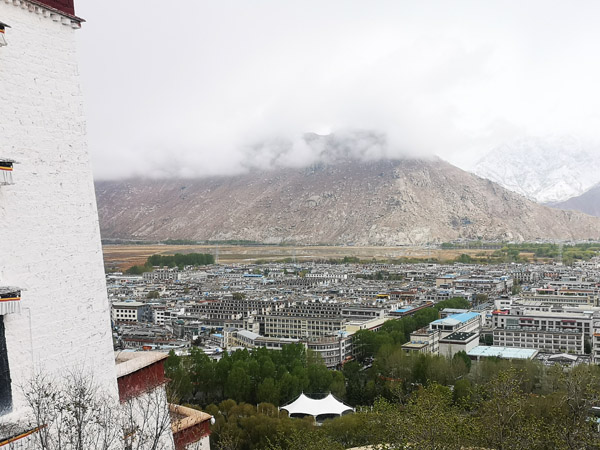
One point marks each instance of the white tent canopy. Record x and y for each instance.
(306, 406)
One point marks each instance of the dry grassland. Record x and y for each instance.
(125, 256)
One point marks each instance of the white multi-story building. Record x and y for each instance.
(447, 335)
(132, 312)
(563, 296)
(162, 274)
(464, 322)
(548, 330)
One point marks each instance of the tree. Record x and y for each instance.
(462, 356)
(481, 298)
(502, 421)
(268, 391)
(238, 384)
(587, 345)
(570, 415)
(431, 419)
(309, 439)
(464, 258)
(73, 413)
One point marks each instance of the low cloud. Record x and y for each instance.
(236, 86)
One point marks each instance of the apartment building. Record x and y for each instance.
(131, 312)
(424, 340)
(295, 327)
(549, 340)
(458, 342)
(550, 331)
(465, 322)
(164, 274)
(483, 285)
(333, 350)
(447, 334)
(543, 320)
(562, 296)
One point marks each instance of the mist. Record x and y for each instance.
(201, 88)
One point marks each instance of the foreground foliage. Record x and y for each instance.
(503, 413)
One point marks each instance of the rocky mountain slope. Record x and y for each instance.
(385, 202)
(545, 170)
(588, 202)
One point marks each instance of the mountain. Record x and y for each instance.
(588, 202)
(545, 170)
(385, 202)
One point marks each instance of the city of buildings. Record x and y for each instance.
(550, 309)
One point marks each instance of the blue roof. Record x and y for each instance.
(462, 317)
(410, 308)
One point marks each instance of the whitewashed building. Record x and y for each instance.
(54, 311)
(51, 246)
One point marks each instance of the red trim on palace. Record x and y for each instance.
(140, 381)
(190, 435)
(65, 6)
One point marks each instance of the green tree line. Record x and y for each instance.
(262, 375)
(177, 260)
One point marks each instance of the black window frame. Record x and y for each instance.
(5, 381)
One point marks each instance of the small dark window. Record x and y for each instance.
(6, 168)
(3, 28)
(5, 389)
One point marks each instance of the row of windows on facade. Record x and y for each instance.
(542, 338)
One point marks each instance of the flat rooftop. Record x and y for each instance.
(455, 319)
(503, 352)
(459, 336)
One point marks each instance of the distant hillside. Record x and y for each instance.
(588, 202)
(545, 170)
(363, 203)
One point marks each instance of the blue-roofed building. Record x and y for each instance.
(447, 336)
(463, 322)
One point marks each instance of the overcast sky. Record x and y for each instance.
(187, 87)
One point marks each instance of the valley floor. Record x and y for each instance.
(125, 256)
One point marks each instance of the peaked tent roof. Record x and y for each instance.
(314, 407)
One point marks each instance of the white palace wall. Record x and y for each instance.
(49, 234)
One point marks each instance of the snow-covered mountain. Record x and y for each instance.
(543, 169)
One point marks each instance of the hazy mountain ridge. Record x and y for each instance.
(588, 202)
(384, 202)
(545, 170)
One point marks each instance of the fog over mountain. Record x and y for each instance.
(230, 85)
